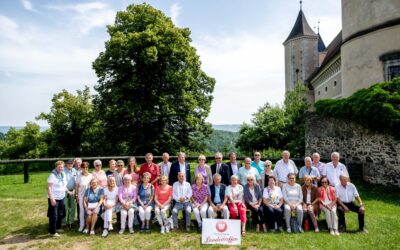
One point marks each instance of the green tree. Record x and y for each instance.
(74, 129)
(27, 142)
(152, 93)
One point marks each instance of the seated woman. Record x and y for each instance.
(253, 200)
(163, 198)
(145, 201)
(204, 170)
(110, 203)
(293, 198)
(310, 200)
(200, 196)
(328, 201)
(273, 201)
(236, 205)
(94, 198)
(127, 194)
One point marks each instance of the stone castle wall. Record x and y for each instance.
(372, 156)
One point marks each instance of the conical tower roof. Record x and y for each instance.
(321, 44)
(300, 28)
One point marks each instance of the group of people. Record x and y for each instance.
(228, 190)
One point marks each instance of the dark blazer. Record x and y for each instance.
(239, 165)
(223, 171)
(247, 195)
(175, 169)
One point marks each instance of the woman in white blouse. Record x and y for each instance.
(236, 205)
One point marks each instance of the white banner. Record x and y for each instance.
(225, 232)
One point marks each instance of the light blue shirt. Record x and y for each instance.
(313, 171)
(244, 172)
(217, 198)
(71, 176)
(260, 166)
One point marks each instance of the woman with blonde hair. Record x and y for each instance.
(146, 201)
(163, 198)
(203, 169)
(94, 198)
(127, 195)
(200, 196)
(132, 170)
(110, 203)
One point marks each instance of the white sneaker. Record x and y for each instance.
(55, 235)
(301, 229)
(317, 230)
(92, 232)
(105, 233)
(110, 227)
(162, 229)
(81, 229)
(337, 232)
(85, 231)
(167, 228)
(332, 232)
(122, 231)
(131, 230)
(289, 230)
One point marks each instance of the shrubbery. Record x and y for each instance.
(376, 108)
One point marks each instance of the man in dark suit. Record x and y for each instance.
(179, 166)
(233, 164)
(221, 168)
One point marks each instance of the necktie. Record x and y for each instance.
(218, 168)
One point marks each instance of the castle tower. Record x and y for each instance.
(301, 52)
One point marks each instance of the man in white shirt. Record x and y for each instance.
(346, 194)
(165, 165)
(334, 169)
(248, 170)
(284, 167)
(182, 192)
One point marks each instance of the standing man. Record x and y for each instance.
(248, 170)
(316, 163)
(165, 165)
(233, 165)
(182, 193)
(334, 169)
(284, 167)
(69, 200)
(177, 167)
(221, 168)
(151, 168)
(257, 163)
(78, 164)
(346, 195)
(308, 169)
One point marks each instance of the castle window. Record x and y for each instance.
(391, 63)
(334, 84)
(319, 92)
(326, 89)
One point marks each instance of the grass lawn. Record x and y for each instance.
(23, 225)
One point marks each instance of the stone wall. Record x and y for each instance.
(368, 155)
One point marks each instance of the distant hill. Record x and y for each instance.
(4, 129)
(227, 127)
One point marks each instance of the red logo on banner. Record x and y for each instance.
(221, 226)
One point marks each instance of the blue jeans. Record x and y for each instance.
(187, 207)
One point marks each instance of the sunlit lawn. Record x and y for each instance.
(23, 224)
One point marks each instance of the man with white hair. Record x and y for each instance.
(346, 194)
(317, 163)
(165, 165)
(182, 193)
(283, 167)
(221, 168)
(308, 169)
(334, 169)
(217, 199)
(246, 171)
(177, 167)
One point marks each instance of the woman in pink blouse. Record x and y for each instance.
(132, 170)
(236, 205)
(127, 194)
(99, 174)
(163, 198)
(204, 170)
(200, 196)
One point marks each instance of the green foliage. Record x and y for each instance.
(376, 108)
(27, 142)
(74, 128)
(153, 95)
(277, 127)
(222, 141)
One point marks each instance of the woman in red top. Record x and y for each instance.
(152, 168)
(327, 200)
(163, 197)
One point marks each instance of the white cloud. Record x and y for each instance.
(249, 71)
(28, 5)
(175, 10)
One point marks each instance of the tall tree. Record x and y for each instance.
(152, 93)
(74, 129)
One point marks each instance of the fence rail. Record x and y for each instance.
(27, 162)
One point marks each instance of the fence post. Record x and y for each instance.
(26, 172)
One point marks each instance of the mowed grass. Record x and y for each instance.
(23, 225)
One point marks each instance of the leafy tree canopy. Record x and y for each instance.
(152, 93)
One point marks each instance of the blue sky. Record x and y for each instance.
(47, 46)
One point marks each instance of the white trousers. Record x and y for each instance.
(108, 216)
(200, 213)
(82, 221)
(299, 214)
(331, 218)
(161, 214)
(145, 214)
(225, 212)
(124, 213)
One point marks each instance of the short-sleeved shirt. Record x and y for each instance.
(333, 173)
(59, 185)
(346, 194)
(163, 194)
(145, 193)
(236, 192)
(313, 171)
(71, 175)
(260, 166)
(244, 172)
(94, 195)
(273, 195)
(153, 169)
(83, 183)
(199, 195)
(134, 175)
(111, 196)
(282, 170)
